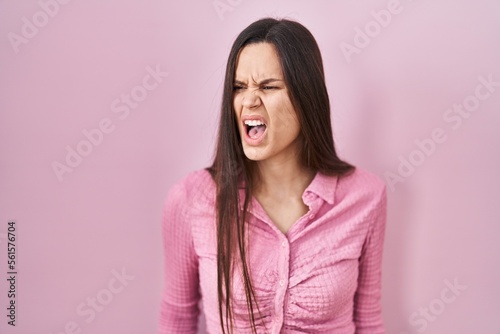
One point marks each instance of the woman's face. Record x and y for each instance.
(267, 121)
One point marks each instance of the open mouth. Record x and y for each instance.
(255, 128)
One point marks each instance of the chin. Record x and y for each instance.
(254, 153)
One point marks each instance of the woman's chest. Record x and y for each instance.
(313, 277)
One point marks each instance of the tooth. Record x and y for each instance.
(253, 122)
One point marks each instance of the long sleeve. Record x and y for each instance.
(367, 300)
(179, 306)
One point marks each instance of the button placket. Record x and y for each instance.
(282, 282)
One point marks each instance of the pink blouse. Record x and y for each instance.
(322, 276)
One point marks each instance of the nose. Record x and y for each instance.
(250, 100)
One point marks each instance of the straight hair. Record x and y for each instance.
(303, 72)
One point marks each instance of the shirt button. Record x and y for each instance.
(311, 216)
(282, 282)
(283, 244)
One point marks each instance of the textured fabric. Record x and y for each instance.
(322, 276)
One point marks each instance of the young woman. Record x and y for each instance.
(279, 235)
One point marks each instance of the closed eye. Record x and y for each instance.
(269, 87)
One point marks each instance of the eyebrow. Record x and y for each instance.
(263, 82)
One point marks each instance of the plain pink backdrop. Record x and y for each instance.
(77, 231)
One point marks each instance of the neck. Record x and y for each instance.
(282, 179)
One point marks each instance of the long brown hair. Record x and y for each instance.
(302, 68)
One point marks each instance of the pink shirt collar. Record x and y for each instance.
(322, 185)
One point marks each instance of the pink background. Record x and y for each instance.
(104, 216)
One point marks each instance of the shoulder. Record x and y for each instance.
(197, 186)
(361, 186)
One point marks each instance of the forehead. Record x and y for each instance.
(258, 61)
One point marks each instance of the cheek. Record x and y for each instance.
(235, 103)
(293, 129)
(285, 119)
